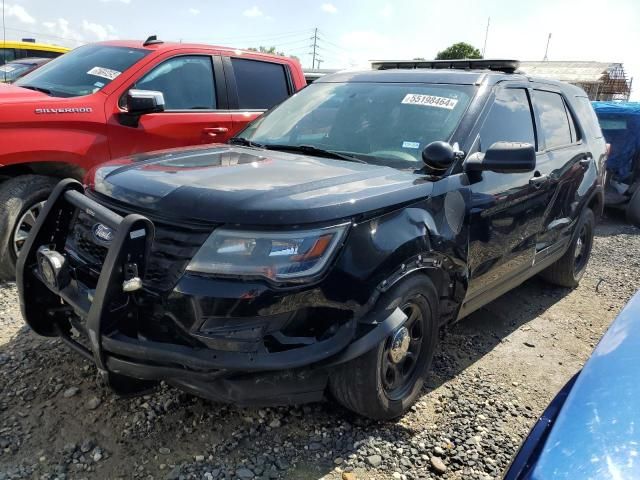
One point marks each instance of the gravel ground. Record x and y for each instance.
(493, 375)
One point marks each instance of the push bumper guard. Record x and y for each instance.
(241, 377)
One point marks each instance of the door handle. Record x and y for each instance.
(538, 181)
(215, 131)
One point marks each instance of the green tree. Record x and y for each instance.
(457, 51)
(269, 50)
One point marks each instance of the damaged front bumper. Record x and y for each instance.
(109, 318)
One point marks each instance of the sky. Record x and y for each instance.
(350, 32)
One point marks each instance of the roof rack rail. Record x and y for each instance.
(505, 66)
(152, 40)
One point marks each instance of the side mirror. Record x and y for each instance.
(438, 157)
(503, 157)
(140, 102)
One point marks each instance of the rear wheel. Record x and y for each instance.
(633, 209)
(569, 269)
(21, 200)
(383, 383)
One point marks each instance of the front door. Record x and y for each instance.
(506, 208)
(194, 111)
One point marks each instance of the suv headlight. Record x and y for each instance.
(278, 256)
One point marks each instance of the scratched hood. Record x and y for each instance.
(230, 184)
(597, 432)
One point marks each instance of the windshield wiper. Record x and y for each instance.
(37, 89)
(244, 142)
(311, 150)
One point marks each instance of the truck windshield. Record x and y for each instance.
(381, 123)
(82, 71)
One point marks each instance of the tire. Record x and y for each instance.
(569, 269)
(362, 385)
(633, 209)
(17, 196)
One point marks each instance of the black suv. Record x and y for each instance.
(322, 249)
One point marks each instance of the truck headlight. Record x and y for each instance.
(277, 256)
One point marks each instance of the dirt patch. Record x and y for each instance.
(493, 375)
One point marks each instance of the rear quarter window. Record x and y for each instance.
(587, 117)
(261, 85)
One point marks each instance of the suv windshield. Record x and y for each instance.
(82, 71)
(381, 123)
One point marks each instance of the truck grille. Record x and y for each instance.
(172, 249)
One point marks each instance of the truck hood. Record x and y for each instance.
(14, 94)
(230, 184)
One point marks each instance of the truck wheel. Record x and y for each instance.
(383, 383)
(569, 269)
(21, 199)
(633, 209)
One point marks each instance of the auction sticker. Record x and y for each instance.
(104, 73)
(429, 101)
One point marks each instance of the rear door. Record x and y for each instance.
(254, 87)
(562, 162)
(196, 109)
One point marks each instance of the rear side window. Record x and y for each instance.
(261, 85)
(186, 82)
(554, 119)
(509, 119)
(587, 117)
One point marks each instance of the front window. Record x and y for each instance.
(82, 71)
(381, 123)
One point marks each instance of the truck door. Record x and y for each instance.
(506, 208)
(563, 160)
(195, 108)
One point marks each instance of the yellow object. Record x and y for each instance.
(14, 50)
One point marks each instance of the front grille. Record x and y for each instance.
(172, 249)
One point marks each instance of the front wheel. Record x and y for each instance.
(21, 200)
(569, 269)
(383, 383)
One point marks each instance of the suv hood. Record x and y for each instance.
(230, 184)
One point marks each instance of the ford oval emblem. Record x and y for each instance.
(103, 234)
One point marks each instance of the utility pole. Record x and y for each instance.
(319, 61)
(486, 35)
(546, 52)
(315, 45)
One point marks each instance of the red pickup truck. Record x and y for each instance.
(112, 99)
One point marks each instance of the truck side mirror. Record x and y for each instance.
(140, 102)
(503, 157)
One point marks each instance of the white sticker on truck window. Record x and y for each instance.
(104, 72)
(410, 144)
(7, 68)
(429, 101)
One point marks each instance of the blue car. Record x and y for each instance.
(591, 430)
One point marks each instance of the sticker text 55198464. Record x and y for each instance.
(429, 101)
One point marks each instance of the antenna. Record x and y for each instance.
(486, 35)
(546, 51)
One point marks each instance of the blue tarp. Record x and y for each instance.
(620, 123)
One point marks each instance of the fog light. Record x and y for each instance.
(53, 268)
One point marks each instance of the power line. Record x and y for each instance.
(315, 45)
